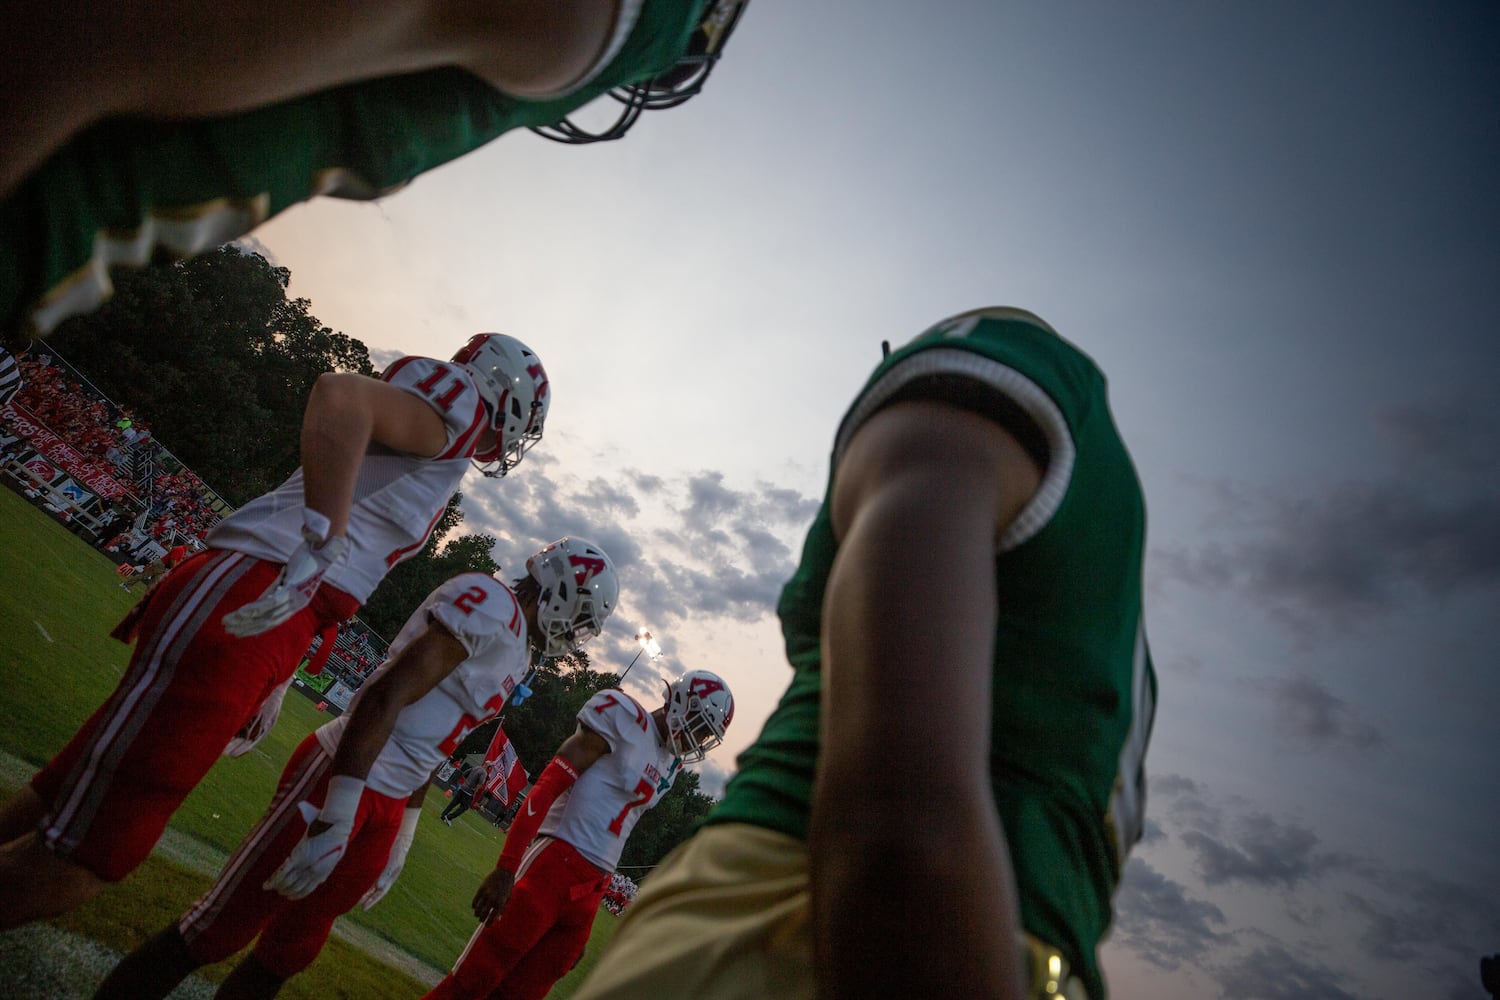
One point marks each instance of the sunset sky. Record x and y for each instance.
(1276, 226)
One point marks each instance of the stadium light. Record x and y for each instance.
(648, 645)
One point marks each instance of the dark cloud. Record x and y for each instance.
(1261, 852)
(1419, 919)
(1185, 801)
(1361, 548)
(1271, 972)
(1173, 784)
(1157, 919)
(1312, 717)
(720, 552)
(1453, 440)
(1152, 832)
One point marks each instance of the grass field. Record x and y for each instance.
(58, 600)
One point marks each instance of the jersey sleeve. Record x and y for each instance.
(615, 716)
(1008, 366)
(480, 612)
(448, 389)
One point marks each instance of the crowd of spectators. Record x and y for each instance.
(112, 441)
(621, 891)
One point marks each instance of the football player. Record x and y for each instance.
(942, 801)
(220, 636)
(536, 908)
(360, 780)
(143, 130)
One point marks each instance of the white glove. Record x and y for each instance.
(397, 859)
(298, 582)
(261, 723)
(315, 857)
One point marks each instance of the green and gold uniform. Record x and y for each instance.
(126, 190)
(1074, 691)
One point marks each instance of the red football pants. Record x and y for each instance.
(189, 688)
(292, 931)
(541, 934)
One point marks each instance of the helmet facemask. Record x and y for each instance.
(699, 710)
(514, 387)
(667, 90)
(577, 591)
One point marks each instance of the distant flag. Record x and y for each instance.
(506, 775)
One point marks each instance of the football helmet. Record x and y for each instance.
(699, 710)
(513, 383)
(579, 590)
(669, 89)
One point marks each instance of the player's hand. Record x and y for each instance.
(493, 894)
(261, 723)
(292, 591)
(397, 859)
(314, 858)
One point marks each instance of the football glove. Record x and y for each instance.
(397, 859)
(259, 724)
(316, 855)
(298, 582)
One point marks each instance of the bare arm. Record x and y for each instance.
(432, 656)
(910, 866)
(67, 64)
(579, 752)
(344, 414)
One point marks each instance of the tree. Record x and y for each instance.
(440, 559)
(538, 726)
(213, 356)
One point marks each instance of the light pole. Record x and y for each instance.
(648, 645)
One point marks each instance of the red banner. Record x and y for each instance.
(91, 472)
(506, 775)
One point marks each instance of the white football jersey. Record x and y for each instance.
(484, 615)
(397, 497)
(597, 814)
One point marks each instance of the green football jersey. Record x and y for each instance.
(125, 190)
(1074, 691)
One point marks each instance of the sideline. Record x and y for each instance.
(44, 963)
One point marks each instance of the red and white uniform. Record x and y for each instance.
(190, 685)
(397, 497)
(485, 617)
(597, 814)
(566, 870)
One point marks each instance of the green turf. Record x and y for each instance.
(58, 600)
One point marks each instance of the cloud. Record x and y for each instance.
(1360, 549)
(1262, 852)
(1310, 716)
(1410, 916)
(1157, 919)
(1271, 972)
(1186, 803)
(686, 548)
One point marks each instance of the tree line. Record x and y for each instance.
(214, 356)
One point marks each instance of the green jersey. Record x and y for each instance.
(1073, 687)
(126, 190)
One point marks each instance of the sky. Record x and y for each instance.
(1275, 226)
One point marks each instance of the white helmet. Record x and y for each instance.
(579, 590)
(513, 383)
(699, 710)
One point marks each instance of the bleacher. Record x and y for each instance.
(96, 468)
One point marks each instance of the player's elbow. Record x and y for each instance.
(529, 50)
(338, 396)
